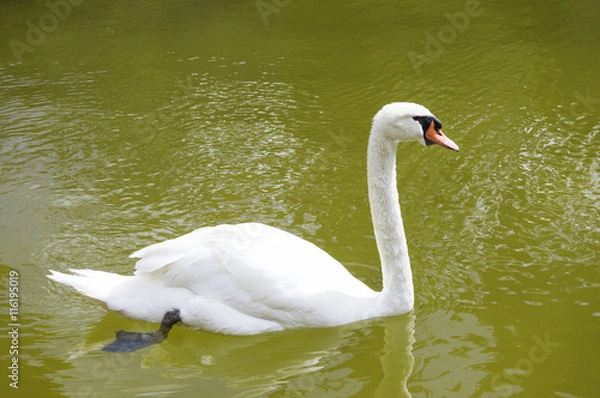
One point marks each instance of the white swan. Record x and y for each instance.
(252, 278)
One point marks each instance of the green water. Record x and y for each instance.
(122, 125)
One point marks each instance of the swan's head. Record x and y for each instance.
(405, 121)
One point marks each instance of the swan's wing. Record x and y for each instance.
(248, 264)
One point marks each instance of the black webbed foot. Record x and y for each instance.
(131, 341)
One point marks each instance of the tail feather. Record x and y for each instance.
(94, 284)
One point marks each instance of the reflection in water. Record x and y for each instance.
(452, 355)
(303, 363)
(397, 359)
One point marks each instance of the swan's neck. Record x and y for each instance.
(397, 294)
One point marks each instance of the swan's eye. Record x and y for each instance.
(425, 122)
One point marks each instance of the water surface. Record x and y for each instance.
(122, 125)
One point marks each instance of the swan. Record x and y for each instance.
(252, 278)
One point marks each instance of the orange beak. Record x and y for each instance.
(438, 137)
